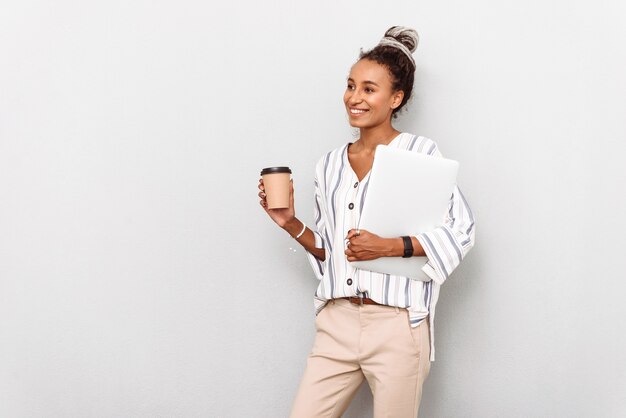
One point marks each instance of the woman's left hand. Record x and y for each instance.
(364, 245)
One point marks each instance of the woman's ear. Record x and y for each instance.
(396, 99)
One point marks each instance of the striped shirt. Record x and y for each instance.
(339, 198)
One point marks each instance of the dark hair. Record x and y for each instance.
(400, 66)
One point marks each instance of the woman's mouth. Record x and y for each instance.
(357, 112)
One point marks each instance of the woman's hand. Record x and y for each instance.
(364, 245)
(282, 216)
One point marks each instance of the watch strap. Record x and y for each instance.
(408, 247)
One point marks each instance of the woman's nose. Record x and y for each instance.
(355, 97)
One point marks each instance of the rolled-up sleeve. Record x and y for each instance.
(318, 265)
(448, 244)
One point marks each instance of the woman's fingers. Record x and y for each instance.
(352, 233)
(262, 194)
(351, 255)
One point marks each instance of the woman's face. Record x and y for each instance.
(369, 97)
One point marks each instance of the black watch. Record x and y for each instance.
(408, 247)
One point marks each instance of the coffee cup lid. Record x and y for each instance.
(274, 170)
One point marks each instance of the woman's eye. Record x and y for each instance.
(350, 87)
(369, 90)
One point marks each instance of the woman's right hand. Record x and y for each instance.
(282, 216)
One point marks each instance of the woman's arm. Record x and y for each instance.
(447, 245)
(286, 219)
(307, 240)
(369, 246)
(397, 249)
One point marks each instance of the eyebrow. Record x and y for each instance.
(365, 82)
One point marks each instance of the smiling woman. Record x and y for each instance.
(371, 326)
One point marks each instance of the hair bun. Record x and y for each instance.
(406, 36)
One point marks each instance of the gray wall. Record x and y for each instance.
(140, 278)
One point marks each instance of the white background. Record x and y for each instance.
(140, 278)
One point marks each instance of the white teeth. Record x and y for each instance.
(357, 111)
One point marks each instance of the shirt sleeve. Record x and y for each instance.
(448, 244)
(318, 265)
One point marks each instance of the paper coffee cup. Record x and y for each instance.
(276, 182)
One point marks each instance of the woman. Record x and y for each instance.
(372, 326)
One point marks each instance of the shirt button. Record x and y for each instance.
(349, 282)
(351, 206)
(356, 184)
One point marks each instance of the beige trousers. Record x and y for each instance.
(372, 342)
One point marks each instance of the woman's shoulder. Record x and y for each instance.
(331, 157)
(418, 143)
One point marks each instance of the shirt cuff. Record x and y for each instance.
(317, 265)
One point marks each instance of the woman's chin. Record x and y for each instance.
(357, 123)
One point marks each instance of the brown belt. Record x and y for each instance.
(361, 301)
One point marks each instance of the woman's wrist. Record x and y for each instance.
(293, 227)
(396, 247)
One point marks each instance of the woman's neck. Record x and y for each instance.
(369, 138)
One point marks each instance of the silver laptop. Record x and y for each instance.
(408, 193)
